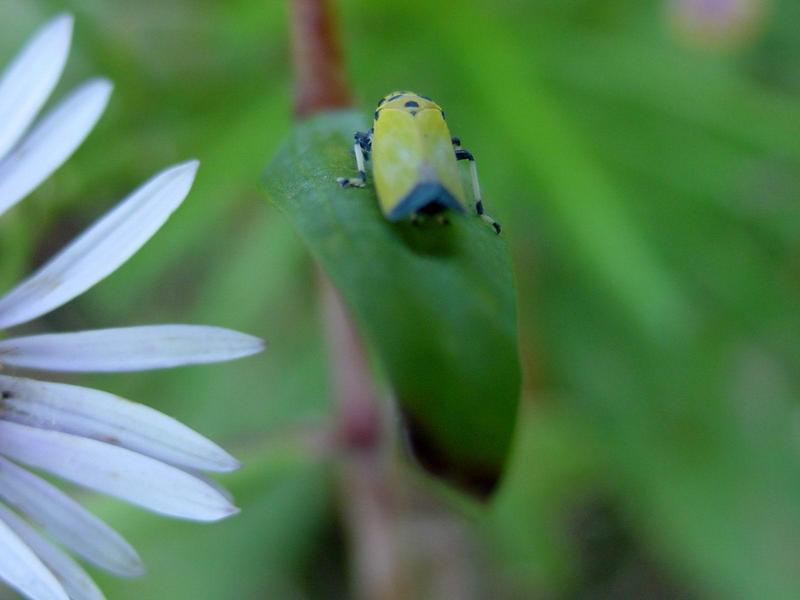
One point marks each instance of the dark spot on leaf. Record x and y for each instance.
(480, 481)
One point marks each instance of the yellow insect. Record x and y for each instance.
(414, 160)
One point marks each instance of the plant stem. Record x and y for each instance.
(359, 421)
(366, 494)
(368, 500)
(320, 81)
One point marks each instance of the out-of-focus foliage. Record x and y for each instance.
(648, 183)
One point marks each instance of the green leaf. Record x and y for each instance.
(436, 301)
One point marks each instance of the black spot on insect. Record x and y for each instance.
(381, 101)
(7, 395)
(395, 97)
(412, 104)
(426, 98)
(443, 118)
(377, 114)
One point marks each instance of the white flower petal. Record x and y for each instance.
(75, 581)
(31, 76)
(100, 249)
(115, 471)
(51, 142)
(213, 483)
(66, 521)
(110, 419)
(22, 570)
(127, 348)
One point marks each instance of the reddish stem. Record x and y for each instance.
(367, 501)
(359, 421)
(320, 81)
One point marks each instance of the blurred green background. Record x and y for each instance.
(644, 158)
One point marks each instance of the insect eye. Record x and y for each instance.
(412, 104)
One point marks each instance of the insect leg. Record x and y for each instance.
(361, 149)
(462, 154)
(365, 141)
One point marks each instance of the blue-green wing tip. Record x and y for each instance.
(430, 198)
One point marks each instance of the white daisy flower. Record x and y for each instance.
(91, 438)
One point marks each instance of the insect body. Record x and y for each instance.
(414, 160)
